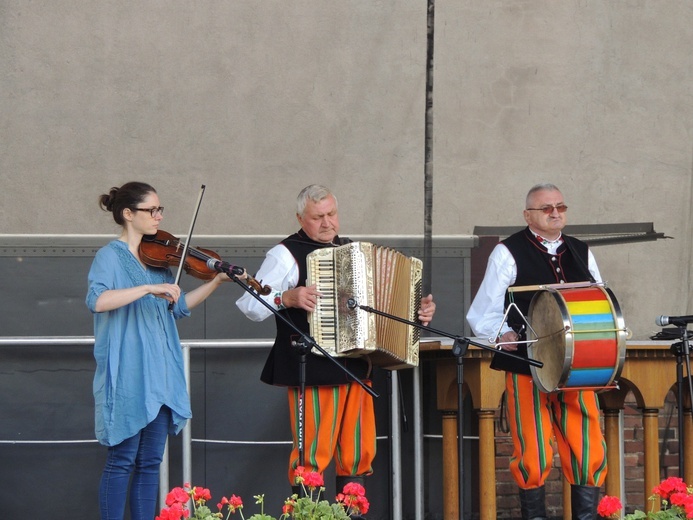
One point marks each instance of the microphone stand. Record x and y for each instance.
(459, 349)
(304, 345)
(682, 351)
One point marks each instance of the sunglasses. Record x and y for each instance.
(561, 208)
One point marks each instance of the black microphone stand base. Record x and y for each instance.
(682, 352)
(459, 350)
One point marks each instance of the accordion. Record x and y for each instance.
(373, 276)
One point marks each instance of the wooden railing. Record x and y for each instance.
(649, 371)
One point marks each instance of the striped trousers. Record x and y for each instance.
(572, 417)
(339, 424)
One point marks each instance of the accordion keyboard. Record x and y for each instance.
(322, 275)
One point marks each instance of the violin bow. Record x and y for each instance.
(186, 246)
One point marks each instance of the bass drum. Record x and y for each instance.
(581, 339)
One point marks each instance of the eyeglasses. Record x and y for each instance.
(152, 211)
(561, 208)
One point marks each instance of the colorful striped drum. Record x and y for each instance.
(581, 338)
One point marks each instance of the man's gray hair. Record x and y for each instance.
(314, 192)
(547, 186)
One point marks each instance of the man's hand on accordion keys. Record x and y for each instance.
(427, 309)
(305, 298)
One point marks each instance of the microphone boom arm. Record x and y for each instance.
(460, 342)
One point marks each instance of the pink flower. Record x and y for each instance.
(609, 507)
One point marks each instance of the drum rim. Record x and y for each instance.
(568, 340)
(621, 334)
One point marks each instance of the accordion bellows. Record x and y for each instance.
(372, 276)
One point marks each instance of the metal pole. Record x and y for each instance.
(187, 429)
(418, 444)
(395, 446)
(163, 477)
(428, 247)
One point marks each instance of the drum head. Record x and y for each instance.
(549, 318)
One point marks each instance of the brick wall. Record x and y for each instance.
(508, 503)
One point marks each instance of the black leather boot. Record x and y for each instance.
(533, 503)
(584, 501)
(342, 481)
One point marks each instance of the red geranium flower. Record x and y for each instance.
(313, 480)
(609, 507)
(669, 486)
(201, 494)
(678, 499)
(354, 488)
(352, 501)
(175, 512)
(235, 503)
(177, 495)
(288, 507)
(362, 505)
(688, 506)
(354, 498)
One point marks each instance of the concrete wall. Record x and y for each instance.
(257, 99)
(254, 99)
(596, 97)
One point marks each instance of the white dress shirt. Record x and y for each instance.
(485, 315)
(279, 270)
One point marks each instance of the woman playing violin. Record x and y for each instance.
(139, 386)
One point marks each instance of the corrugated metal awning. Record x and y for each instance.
(593, 234)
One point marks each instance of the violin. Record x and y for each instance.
(165, 250)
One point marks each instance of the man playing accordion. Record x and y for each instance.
(339, 414)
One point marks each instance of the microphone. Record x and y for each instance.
(224, 267)
(679, 321)
(352, 304)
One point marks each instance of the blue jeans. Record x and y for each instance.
(139, 457)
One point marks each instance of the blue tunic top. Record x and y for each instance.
(139, 359)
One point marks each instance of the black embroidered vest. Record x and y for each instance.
(536, 266)
(282, 366)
